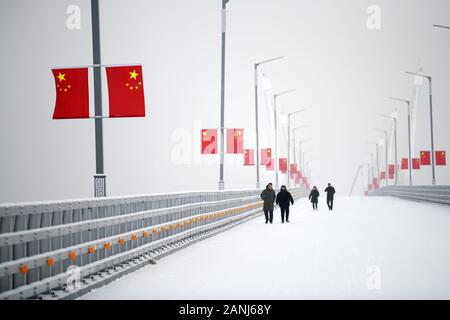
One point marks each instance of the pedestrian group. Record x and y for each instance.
(284, 199)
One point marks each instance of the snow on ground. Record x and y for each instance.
(367, 248)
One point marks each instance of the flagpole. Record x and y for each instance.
(99, 177)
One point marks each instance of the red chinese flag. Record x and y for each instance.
(266, 154)
(269, 165)
(235, 141)
(440, 158)
(425, 158)
(416, 163)
(299, 173)
(125, 91)
(249, 159)
(391, 171)
(209, 141)
(293, 169)
(282, 162)
(370, 187)
(72, 93)
(404, 165)
(298, 177)
(375, 183)
(382, 175)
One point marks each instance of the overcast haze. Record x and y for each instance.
(343, 73)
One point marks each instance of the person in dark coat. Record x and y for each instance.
(330, 196)
(284, 200)
(314, 197)
(268, 195)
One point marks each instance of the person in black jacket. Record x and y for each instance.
(314, 197)
(268, 195)
(330, 196)
(284, 200)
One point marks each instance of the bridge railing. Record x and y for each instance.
(433, 194)
(40, 241)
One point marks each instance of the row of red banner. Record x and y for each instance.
(125, 92)
(235, 141)
(425, 160)
(235, 145)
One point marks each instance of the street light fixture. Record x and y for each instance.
(395, 142)
(256, 65)
(433, 178)
(275, 97)
(408, 103)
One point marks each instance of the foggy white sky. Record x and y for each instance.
(343, 73)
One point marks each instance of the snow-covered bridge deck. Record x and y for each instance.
(367, 248)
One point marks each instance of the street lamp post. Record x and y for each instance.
(368, 175)
(256, 65)
(289, 144)
(275, 97)
(377, 157)
(99, 177)
(408, 104)
(372, 165)
(395, 143)
(300, 160)
(222, 97)
(433, 175)
(385, 154)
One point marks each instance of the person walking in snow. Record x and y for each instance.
(284, 200)
(314, 197)
(268, 195)
(330, 196)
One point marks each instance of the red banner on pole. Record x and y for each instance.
(391, 171)
(440, 158)
(404, 164)
(375, 183)
(235, 141)
(298, 177)
(382, 175)
(266, 154)
(425, 158)
(270, 164)
(282, 165)
(370, 187)
(209, 141)
(72, 93)
(249, 157)
(293, 169)
(126, 91)
(415, 163)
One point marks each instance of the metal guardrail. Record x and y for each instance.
(433, 194)
(36, 259)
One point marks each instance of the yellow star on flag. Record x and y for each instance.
(133, 75)
(61, 76)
